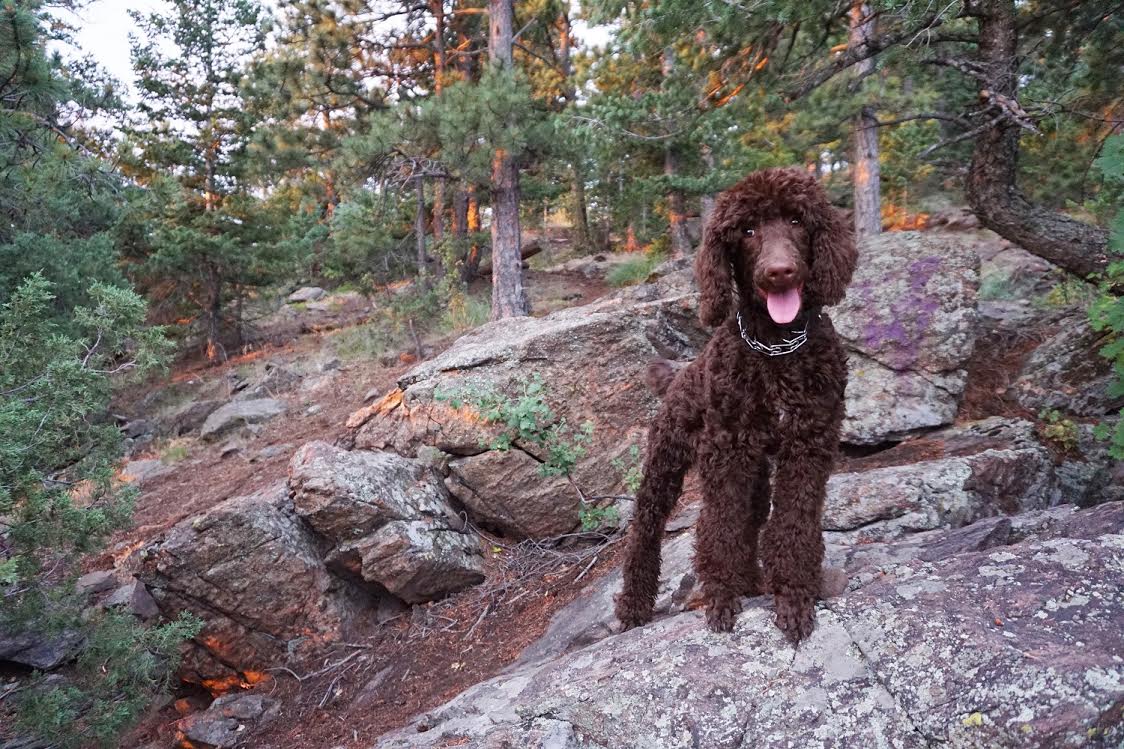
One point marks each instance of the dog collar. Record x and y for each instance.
(786, 346)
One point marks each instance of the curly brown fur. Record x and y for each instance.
(733, 411)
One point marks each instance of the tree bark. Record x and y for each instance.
(580, 215)
(992, 192)
(437, 7)
(707, 201)
(676, 204)
(866, 175)
(508, 296)
(419, 232)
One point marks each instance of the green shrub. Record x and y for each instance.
(634, 270)
(60, 500)
(1107, 311)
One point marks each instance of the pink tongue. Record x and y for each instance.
(783, 307)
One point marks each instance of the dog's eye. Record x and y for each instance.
(748, 232)
(795, 222)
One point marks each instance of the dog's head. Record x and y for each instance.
(778, 238)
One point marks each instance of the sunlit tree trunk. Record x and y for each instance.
(508, 296)
(866, 175)
(676, 204)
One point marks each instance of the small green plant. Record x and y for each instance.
(527, 419)
(1069, 292)
(1106, 313)
(632, 473)
(634, 270)
(1059, 430)
(996, 286)
(593, 517)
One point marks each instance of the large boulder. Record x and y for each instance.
(947, 479)
(387, 518)
(909, 324)
(916, 507)
(591, 361)
(251, 570)
(1010, 646)
(1067, 373)
(238, 414)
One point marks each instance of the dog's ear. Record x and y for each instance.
(712, 270)
(833, 254)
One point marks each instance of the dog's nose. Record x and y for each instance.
(781, 273)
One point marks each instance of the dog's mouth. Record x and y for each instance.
(783, 306)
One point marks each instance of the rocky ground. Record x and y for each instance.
(377, 566)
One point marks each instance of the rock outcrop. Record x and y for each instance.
(251, 570)
(1067, 373)
(238, 414)
(591, 360)
(1008, 643)
(387, 518)
(909, 324)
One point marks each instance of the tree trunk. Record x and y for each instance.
(439, 62)
(508, 297)
(992, 192)
(214, 314)
(866, 175)
(707, 201)
(473, 253)
(579, 215)
(419, 233)
(676, 205)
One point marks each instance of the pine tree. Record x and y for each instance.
(208, 237)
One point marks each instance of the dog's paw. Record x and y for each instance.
(631, 615)
(722, 613)
(796, 615)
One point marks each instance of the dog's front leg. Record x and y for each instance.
(792, 547)
(669, 456)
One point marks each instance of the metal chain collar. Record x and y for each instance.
(787, 346)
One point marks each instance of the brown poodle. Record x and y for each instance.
(768, 388)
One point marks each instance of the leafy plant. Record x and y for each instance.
(631, 469)
(59, 501)
(634, 270)
(1059, 430)
(527, 419)
(1107, 311)
(593, 517)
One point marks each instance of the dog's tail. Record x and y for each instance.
(660, 373)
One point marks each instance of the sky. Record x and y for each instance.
(104, 26)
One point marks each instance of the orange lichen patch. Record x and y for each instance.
(407, 358)
(219, 687)
(384, 405)
(253, 678)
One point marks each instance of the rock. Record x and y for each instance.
(591, 360)
(93, 583)
(1067, 373)
(240, 413)
(306, 294)
(909, 324)
(272, 380)
(188, 417)
(137, 428)
(965, 473)
(140, 472)
(252, 572)
(415, 560)
(387, 518)
(38, 649)
(134, 598)
(1010, 646)
(340, 302)
(228, 720)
